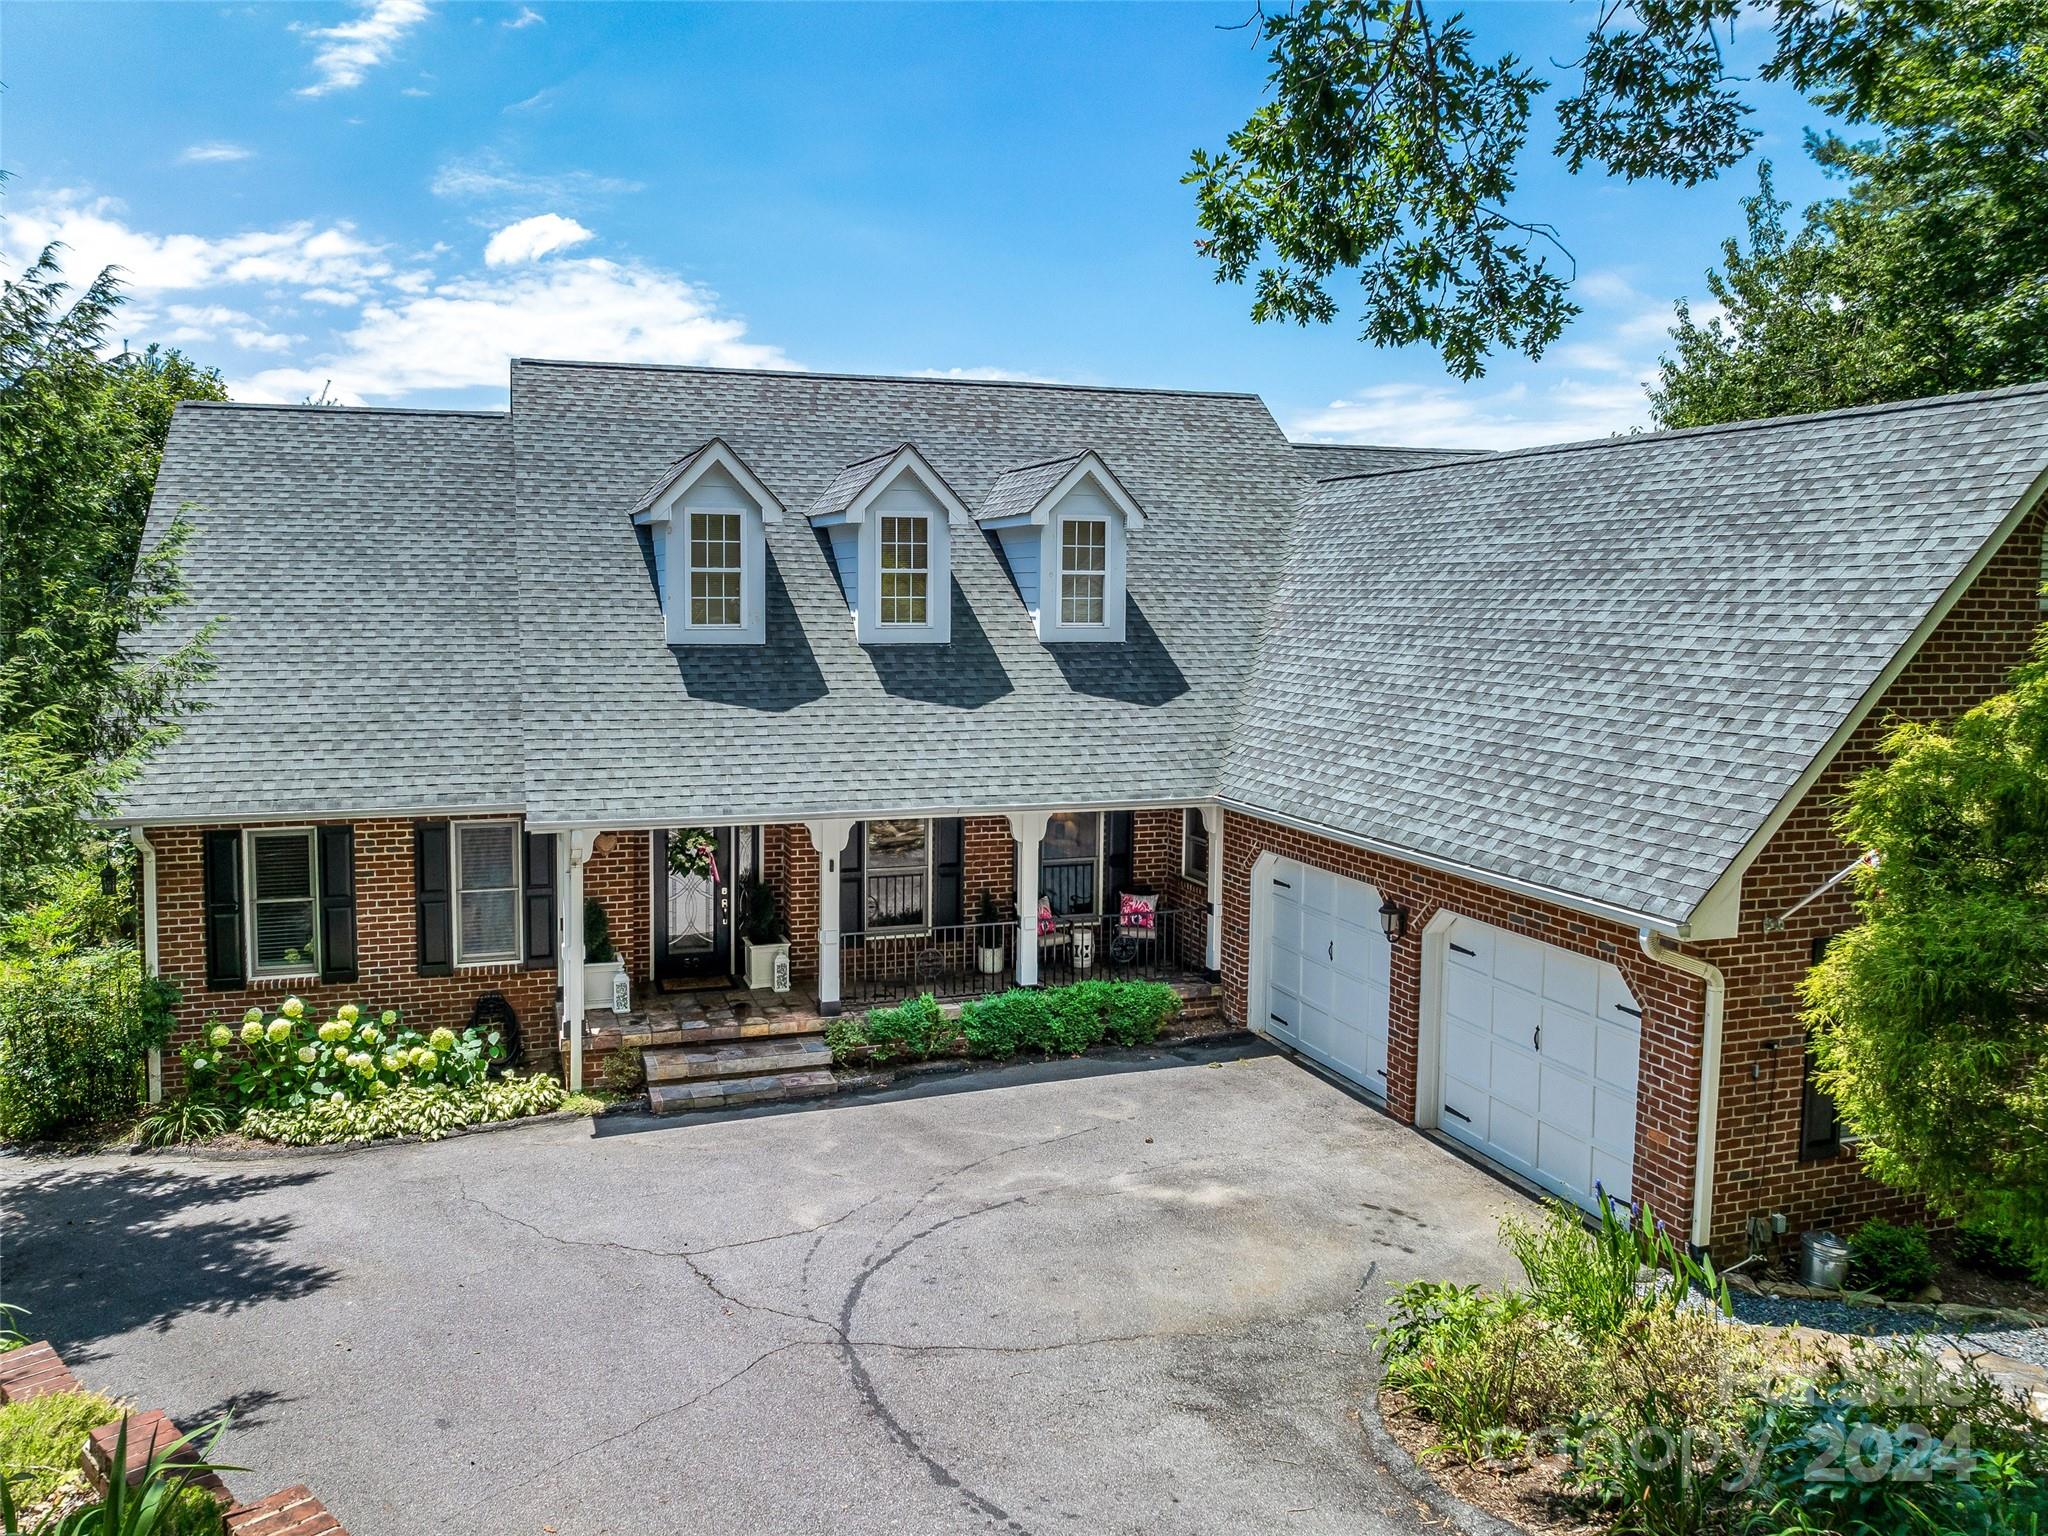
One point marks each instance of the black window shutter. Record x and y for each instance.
(433, 888)
(1820, 1132)
(540, 901)
(948, 857)
(222, 855)
(337, 903)
(1116, 869)
(852, 919)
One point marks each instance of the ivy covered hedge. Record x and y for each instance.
(1058, 1021)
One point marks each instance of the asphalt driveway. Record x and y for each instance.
(1130, 1296)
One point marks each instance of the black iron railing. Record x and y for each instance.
(967, 960)
(1110, 947)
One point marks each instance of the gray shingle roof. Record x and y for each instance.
(620, 727)
(1019, 490)
(361, 561)
(847, 485)
(1596, 668)
(1327, 461)
(1600, 667)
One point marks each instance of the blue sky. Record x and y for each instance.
(384, 200)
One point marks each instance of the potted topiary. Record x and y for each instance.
(602, 967)
(988, 936)
(761, 935)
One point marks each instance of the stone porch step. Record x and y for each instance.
(641, 1032)
(736, 1058)
(732, 1092)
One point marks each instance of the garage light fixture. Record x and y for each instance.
(1393, 919)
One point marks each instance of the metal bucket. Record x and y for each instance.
(1823, 1260)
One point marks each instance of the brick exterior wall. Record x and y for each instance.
(619, 876)
(386, 968)
(1757, 1165)
(1757, 1168)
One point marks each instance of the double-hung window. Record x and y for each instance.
(1069, 862)
(906, 570)
(1084, 570)
(1194, 845)
(283, 905)
(896, 876)
(715, 560)
(487, 892)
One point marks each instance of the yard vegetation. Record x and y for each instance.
(1057, 1021)
(1610, 1389)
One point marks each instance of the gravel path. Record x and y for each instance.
(2029, 1344)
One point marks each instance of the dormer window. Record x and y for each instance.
(708, 516)
(1063, 525)
(888, 520)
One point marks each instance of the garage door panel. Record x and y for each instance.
(1568, 1038)
(1356, 906)
(1559, 1106)
(1328, 972)
(1285, 970)
(1317, 895)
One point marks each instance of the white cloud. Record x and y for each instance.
(345, 54)
(460, 335)
(215, 152)
(1518, 415)
(531, 239)
(997, 375)
(489, 178)
(414, 331)
(527, 17)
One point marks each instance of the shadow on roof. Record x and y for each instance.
(771, 678)
(1140, 671)
(965, 674)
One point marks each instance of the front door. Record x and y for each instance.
(693, 905)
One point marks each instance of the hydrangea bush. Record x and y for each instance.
(288, 1062)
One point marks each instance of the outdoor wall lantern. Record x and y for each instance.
(1393, 919)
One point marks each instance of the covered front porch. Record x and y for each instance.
(869, 912)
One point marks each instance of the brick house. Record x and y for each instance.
(1499, 786)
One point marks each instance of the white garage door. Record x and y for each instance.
(1540, 1049)
(1327, 972)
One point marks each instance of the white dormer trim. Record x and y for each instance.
(899, 485)
(1035, 543)
(714, 483)
(1088, 467)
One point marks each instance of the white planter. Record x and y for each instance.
(1084, 949)
(989, 961)
(598, 982)
(761, 964)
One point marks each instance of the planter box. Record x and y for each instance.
(598, 980)
(989, 959)
(761, 966)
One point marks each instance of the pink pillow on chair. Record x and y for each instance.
(1047, 923)
(1138, 911)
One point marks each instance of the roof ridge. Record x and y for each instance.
(1058, 458)
(891, 378)
(355, 410)
(1668, 434)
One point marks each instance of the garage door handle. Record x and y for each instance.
(1539, 1037)
(1333, 949)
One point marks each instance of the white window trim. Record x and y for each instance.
(1059, 586)
(690, 569)
(882, 521)
(518, 953)
(1190, 818)
(1098, 859)
(249, 837)
(867, 869)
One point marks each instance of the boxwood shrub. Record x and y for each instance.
(1059, 1021)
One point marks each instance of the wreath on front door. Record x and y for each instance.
(693, 851)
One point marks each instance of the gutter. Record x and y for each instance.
(1708, 1132)
(147, 849)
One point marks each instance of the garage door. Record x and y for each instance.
(1540, 1049)
(1327, 972)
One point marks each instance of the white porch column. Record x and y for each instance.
(829, 838)
(572, 848)
(1212, 820)
(147, 850)
(1028, 828)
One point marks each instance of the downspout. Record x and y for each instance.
(147, 849)
(1710, 1078)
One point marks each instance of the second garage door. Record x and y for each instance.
(1540, 1050)
(1327, 972)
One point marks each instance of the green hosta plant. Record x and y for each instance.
(288, 1062)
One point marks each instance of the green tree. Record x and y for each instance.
(1930, 1020)
(1928, 274)
(1389, 147)
(81, 434)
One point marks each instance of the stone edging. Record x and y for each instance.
(1947, 1311)
(1413, 1476)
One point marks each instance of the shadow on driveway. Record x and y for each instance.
(96, 1252)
